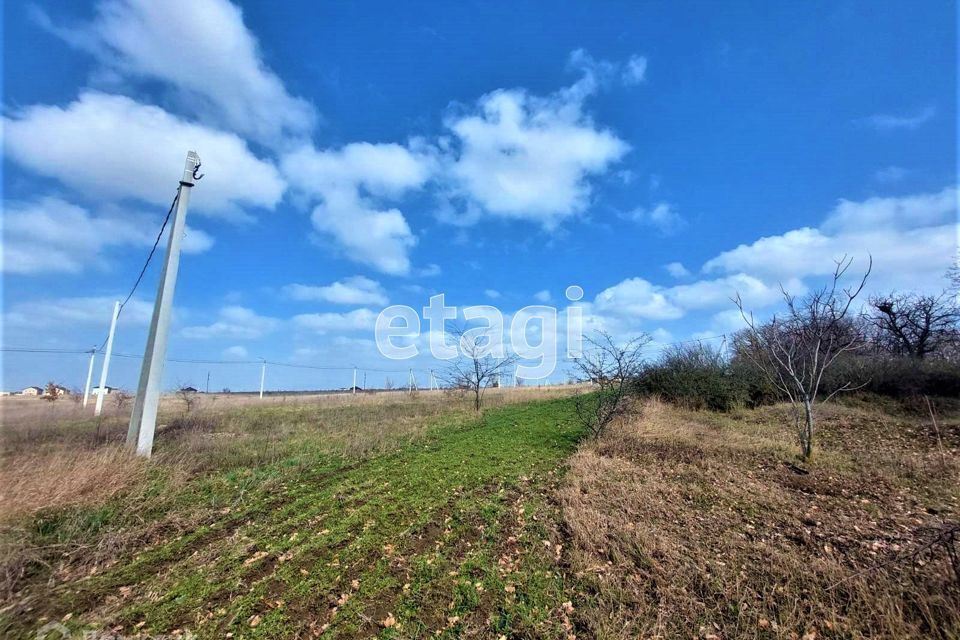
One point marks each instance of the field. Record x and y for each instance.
(398, 515)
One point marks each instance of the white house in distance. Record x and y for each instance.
(104, 390)
(32, 391)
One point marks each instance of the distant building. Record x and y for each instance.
(32, 391)
(106, 390)
(188, 390)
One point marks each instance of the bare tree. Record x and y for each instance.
(794, 351)
(188, 396)
(914, 325)
(612, 368)
(121, 398)
(475, 368)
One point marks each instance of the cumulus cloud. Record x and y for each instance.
(890, 174)
(521, 156)
(234, 322)
(912, 239)
(640, 299)
(677, 270)
(236, 352)
(204, 52)
(357, 290)
(113, 146)
(663, 217)
(889, 122)
(635, 70)
(51, 235)
(637, 298)
(356, 320)
(352, 183)
(543, 296)
(67, 311)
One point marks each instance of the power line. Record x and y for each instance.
(146, 264)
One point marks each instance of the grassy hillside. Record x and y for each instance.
(412, 517)
(450, 532)
(701, 524)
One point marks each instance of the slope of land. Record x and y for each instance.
(410, 516)
(702, 524)
(447, 532)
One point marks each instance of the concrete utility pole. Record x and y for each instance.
(354, 389)
(106, 359)
(86, 389)
(143, 420)
(263, 376)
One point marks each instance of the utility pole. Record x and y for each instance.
(263, 376)
(106, 359)
(208, 382)
(143, 420)
(364, 380)
(86, 389)
(354, 388)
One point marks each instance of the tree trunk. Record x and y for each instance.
(476, 400)
(807, 440)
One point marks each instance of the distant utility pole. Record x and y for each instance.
(263, 376)
(86, 389)
(364, 380)
(143, 420)
(208, 382)
(106, 359)
(354, 388)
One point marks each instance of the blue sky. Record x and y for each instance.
(663, 156)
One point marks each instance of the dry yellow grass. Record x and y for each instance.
(50, 481)
(691, 524)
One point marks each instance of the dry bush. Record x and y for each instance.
(691, 524)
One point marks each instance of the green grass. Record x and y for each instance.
(454, 532)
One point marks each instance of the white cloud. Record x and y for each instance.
(429, 271)
(351, 183)
(93, 310)
(109, 145)
(663, 217)
(236, 352)
(356, 320)
(635, 71)
(707, 294)
(528, 157)
(51, 235)
(637, 298)
(542, 296)
(912, 239)
(677, 270)
(205, 52)
(493, 294)
(890, 174)
(357, 290)
(888, 122)
(234, 322)
(195, 241)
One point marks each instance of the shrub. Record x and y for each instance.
(698, 376)
(897, 377)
